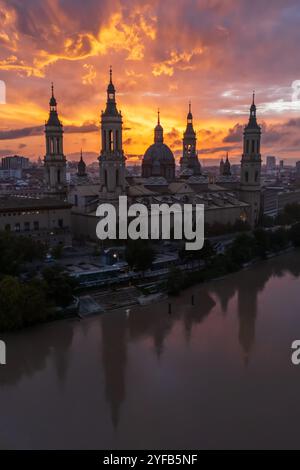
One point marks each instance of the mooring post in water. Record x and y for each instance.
(169, 308)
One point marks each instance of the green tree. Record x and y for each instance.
(243, 249)
(294, 234)
(60, 287)
(139, 254)
(174, 281)
(16, 251)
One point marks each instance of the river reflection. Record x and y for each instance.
(154, 379)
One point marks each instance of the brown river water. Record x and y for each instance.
(216, 374)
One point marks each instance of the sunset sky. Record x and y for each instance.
(163, 53)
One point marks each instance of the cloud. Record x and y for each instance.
(39, 130)
(235, 134)
(163, 53)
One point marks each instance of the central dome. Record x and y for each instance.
(158, 159)
(160, 152)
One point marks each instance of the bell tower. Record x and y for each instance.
(112, 158)
(54, 160)
(189, 158)
(251, 166)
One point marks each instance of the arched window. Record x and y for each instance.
(246, 176)
(58, 176)
(247, 146)
(256, 176)
(111, 142)
(253, 146)
(117, 177)
(105, 177)
(117, 140)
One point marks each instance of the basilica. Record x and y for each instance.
(226, 199)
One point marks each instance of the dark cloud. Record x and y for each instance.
(235, 134)
(39, 130)
(217, 149)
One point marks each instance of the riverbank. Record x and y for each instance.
(125, 297)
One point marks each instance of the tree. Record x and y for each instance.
(294, 234)
(15, 251)
(10, 297)
(60, 286)
(242, 249)
(57, 251)
(139, 254)
(21, 304)
(174, 281)
(262, 241)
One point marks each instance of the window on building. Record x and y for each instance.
(7, 228)
(247, 146)
(76, 200)
(117, 140)
(117, 177)
(17, 227)
(253, 146)
(36, 225)
(104, 140)
(105, 177)
(111, 140)
(60, 223)
(27, 226)
(58, 176)
(256, 176)
(246, 176)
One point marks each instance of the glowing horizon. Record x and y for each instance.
(163, 55)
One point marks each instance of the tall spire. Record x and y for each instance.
(253, 101)
(158, 131)
(111, 108)
(190, 116)
(252, 118)
(52, 101)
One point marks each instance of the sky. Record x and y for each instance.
(163, 54)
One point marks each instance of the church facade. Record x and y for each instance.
(158, 182)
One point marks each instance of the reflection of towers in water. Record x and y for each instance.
(114, 348)
(250, 283)
(194, 314)
(224, 291)
(40, 344)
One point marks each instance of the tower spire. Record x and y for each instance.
(253, 100)
(110, 74)
(158, 117)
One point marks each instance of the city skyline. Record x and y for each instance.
(212, 58)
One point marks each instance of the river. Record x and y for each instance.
(216, 374)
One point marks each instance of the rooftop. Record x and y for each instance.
(20, 203)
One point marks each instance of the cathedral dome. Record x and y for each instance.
(159, 152)
(158, 159)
